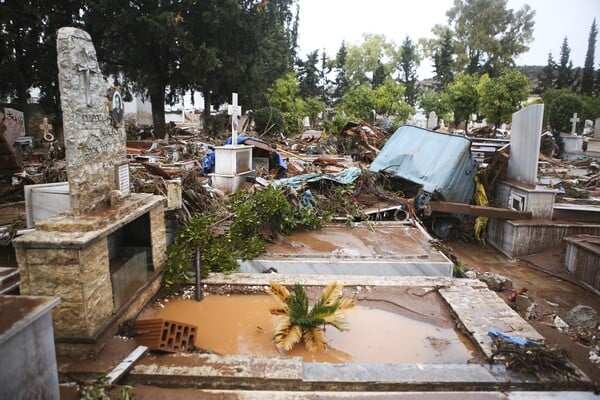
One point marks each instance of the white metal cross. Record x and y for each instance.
(235, 111)
(574, 120)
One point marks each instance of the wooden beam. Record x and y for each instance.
(479, 211)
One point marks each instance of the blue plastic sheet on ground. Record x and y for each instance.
(518, 340)
(208, 162)
(308, 200)
(344, 177)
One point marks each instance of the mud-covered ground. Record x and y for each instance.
(550, 287)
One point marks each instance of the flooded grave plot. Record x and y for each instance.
(407, 333)
(401, 331)
(373, 248)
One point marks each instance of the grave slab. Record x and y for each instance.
(380, 248)
(582, 258)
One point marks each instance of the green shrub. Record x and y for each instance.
(268, 120)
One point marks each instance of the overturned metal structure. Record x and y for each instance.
(440, 163)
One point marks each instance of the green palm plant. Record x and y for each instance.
(305, 323)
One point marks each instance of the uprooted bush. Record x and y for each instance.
(255, 218)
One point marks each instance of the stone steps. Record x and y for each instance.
(9, 280)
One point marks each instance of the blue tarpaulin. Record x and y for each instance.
(518, 340)
(344, 177)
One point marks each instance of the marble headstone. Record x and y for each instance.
(432, 121)
(94, 148)
(525, 144)
(14, 123)
(597, 128)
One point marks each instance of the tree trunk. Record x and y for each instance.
(157, 98)
(206, 113)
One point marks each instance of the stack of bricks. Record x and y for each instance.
(164, 335)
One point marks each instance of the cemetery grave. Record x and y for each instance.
(102, 251)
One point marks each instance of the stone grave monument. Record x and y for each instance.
(593, 146)
(14, 127)
(432, 121)
(233, 162)
(520, 190)
(103, 256)
(573, 143)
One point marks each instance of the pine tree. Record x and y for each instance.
(443, 60)
(409, 60)
(309, 75)
(341, 79)
(548, 76)
(566, 75)
(587, 79)
(378, 75)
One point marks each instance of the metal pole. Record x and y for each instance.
(198, 288)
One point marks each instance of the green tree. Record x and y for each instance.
(548, 76)
(437, 102)
(387, 99)
(591, 107)
(463, 97)
(20, 32)
(565, 74)
(408, 63)
(285, 96)
(358, 102)
(324, 80)
(232, 59)
(145, 42)
(309, 75)
(379, 75)
(277, 30)
(443, 59)
(363, 60)
(587, 79)
(500, 97)
(339, 67)
(488, 36)
(548, 96)
(28, 32)
(561, 110)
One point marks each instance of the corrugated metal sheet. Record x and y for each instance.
(441, 163)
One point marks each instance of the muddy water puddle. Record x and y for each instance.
(242, 324)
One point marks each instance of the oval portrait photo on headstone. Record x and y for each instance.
(118, 108)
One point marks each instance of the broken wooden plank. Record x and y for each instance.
(289, 154)
(479, 211)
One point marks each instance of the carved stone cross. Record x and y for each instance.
(46, 128)
(574, 120)
(87, 66)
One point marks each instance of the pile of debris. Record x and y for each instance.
(182, 156)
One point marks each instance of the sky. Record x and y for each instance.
(324, 24)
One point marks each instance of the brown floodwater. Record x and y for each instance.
(242, 324)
